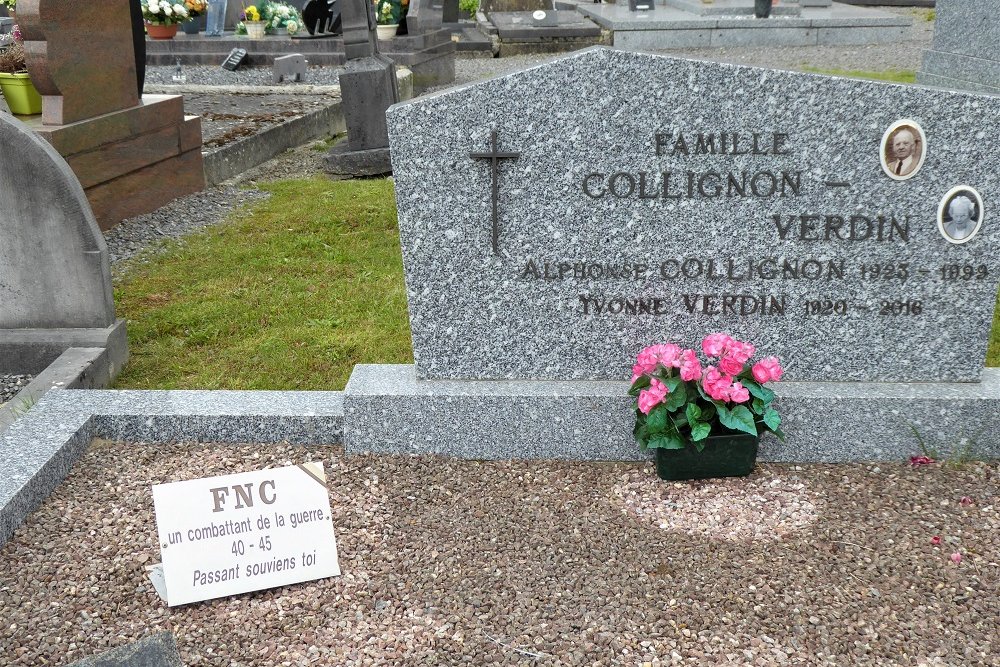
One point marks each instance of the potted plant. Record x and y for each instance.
(162, 17)
(196, 12)
(280, 18)
(704, 422)
(252, 22)
(15, 82)
(388, 14)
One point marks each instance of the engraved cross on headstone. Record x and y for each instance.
(495, 156)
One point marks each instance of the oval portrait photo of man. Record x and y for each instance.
(904, 147)
(960, 214)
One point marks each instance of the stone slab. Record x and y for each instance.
(967, 28)
(961, 71)
(30, 351)
(388, 410)
(731, 7)
(54, 271)
(41, 446)
(858, 35)
(478, 314)
(111, 160)
(147, 189)
(518, 26)
(153, 113)
(647, 40)
(342, 161)
(618, 18)
(159, 650)
(735, 36)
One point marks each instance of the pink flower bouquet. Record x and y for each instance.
(680, 401)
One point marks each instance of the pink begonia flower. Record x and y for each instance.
(920, 461)
(690, 366)
(936, 540)
(738, 394)
(766, 370)
(731, 365)
(716, 384)
(740, 351)
(713, 345)
(956, 558)
(669, 355)
(965, 501)
(650, 398)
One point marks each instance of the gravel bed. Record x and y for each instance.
(450, 562)
(179, 217)
(11, 384)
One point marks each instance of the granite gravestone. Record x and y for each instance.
(963, 54)
(658, 199)
(54, 273)
(368, 87)
(158, 650)
(131, 155)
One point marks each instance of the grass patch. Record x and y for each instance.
(289, 295)
(993, 350)
(893, 75)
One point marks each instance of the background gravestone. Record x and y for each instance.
(75, 88)
(131, 156)
(55, 280)
(963, 54)
(159, 650)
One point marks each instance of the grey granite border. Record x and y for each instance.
(40, 447)
(387, 410)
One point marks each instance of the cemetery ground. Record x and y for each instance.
(449, 562)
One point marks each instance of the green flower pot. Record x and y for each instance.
(20, 93)
(729, 455)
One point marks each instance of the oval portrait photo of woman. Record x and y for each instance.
(960, 214)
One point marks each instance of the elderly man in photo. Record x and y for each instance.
(904, 145)
(961, 225)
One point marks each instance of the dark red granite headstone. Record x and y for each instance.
(80, 57)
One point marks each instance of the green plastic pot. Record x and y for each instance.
(20, 93)
(728, 455)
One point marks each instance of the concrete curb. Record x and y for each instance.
(42, 445)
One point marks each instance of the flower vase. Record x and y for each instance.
(158, 31)
(21, 96)
(762, 8)
(386, 32)
(728, 455)
(255, 29)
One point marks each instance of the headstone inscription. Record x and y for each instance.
(55, 279)
(659, 199)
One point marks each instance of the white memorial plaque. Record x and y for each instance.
(237, 533)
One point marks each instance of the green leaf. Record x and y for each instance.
(781, 434)
(700, 446)
(738, 419)
(763, 393)
(758, 406)
(677, 397)
(672, 383)
(656, 420)
(708, 413)
(640, 383)
(772, 419)
(641, 431)
(700, 431)
(666, 442)
(693, 412)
